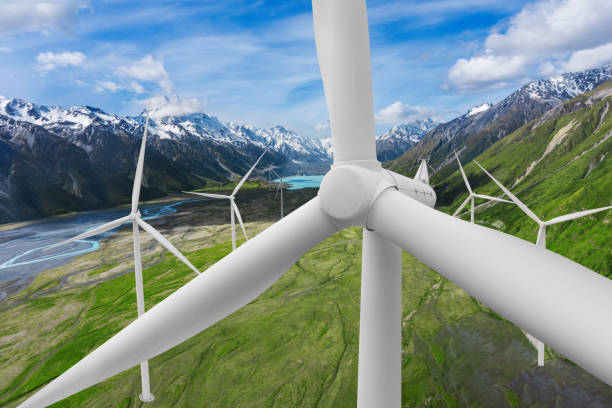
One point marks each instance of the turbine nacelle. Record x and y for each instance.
(349, 191)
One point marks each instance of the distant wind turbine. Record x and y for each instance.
(233, 206)
(280, 187)
(473, 195)
(137, 221)
(541, 240)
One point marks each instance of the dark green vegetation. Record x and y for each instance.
(294, 346)
(229, 187)
(575, 175)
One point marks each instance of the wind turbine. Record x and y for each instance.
(280, 187)
(472, 195)
(137, 221)
(541, 240)
(233, 206)
(502, 271)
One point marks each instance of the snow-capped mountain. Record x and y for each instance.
(395, 141)
(569, 85)
(54, 159)
(400, 138)
(471, 133)
(196, 126)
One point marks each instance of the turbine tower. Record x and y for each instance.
(280, 188)
(473, 195)
(502, 271)
(233, 206)
(137, 221)
(541, 240)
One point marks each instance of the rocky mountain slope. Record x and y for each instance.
(400, 138)
(483, 125)
(54, 160)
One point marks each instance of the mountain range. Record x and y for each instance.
(402, 137)
(483, 125)
(54, 160)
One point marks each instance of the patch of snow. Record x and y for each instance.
(478, 108)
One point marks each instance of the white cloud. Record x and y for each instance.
(18, 16)
(111, 86)
(585, 59)
(486, 72)
(173, 105)
(148, 69)
(539, 37)
(5, 49)
(550, 27)
(322, 126)
(399, 112)
(48, 61)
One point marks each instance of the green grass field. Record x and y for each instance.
(294, 346)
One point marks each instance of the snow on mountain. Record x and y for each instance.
(400, 138)
(77, 117)
(74, 121)
(568, 85)
(482, 125)
(478, 108)
(395, 141)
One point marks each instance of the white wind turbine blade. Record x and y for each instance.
(209, 195)
(235, 208)
(343, 49)
(139, 167)
(575, 215)
(467, 184)
(422, 174)
(246, 176)
(165, 243)
(94, 231)
(518, 202)
(467, 200)
(486, 197)
(227, 286)
(572, 314)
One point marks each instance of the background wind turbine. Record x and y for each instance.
(541, 240)
(280, 187)
(502, 271)
(472, 195)
(233, 206)
(137, 221)
(269, 170)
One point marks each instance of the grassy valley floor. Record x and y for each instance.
(294, 346)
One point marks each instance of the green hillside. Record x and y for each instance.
(574, 175)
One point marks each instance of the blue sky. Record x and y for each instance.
(255, 61)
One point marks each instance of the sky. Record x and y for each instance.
(255, 62)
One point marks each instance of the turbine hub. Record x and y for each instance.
(348, 192)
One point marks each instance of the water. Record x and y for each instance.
(299, 182)
(22, 254)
